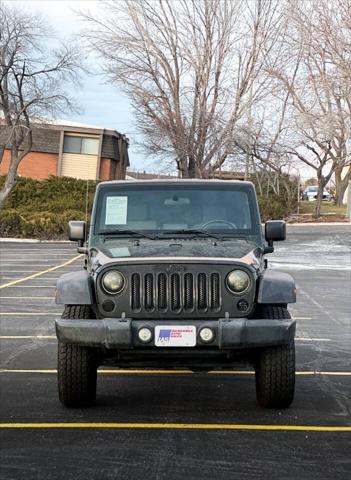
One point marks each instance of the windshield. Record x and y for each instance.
(176, 209)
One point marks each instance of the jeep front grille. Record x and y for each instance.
(175, 292)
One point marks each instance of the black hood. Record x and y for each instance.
(185, 247)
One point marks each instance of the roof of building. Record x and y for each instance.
(69, 123)
(46, 138)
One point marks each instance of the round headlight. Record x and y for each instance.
(112, 281)
(238, 281)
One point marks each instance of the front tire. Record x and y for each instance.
(275, 368)
(76, 366)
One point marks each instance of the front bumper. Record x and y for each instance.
(123, 333)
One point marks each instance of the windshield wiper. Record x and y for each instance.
(127, 232)
(193, 231)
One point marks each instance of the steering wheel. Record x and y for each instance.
(225, 222)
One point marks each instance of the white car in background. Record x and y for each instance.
(310, 194)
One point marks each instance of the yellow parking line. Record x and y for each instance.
(174, 372)
(9, 284)
(181, 426)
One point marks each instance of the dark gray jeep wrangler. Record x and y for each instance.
(175, 276)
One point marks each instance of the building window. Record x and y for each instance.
(83, 145)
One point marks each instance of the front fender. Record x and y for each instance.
(276, 287)
(74, 288)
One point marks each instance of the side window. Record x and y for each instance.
(83, 145)
(72, 144)
(90, 146)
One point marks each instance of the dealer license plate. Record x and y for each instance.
(175, 336)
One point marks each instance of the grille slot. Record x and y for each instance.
(175, 292)
(202, 291)
(188, 291)
(162, 291)
(149, 292)
(135, 292)
(215, 295)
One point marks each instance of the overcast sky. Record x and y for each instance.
(102, 104)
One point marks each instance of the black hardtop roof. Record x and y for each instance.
(192, 181)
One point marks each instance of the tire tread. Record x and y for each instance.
(77, 366)
(275, 369)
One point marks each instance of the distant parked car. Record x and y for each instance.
(310, 194)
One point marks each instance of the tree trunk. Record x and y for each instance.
(10, 181)
(190, 170)
(2, 151)
(322, 181)
(341, 184)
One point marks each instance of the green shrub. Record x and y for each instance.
(44, 225)
(42, 209)
(274, 207)
(54, 194)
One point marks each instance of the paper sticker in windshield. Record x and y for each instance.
(120, 252)
(116, 210)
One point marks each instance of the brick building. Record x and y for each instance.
(72, 150)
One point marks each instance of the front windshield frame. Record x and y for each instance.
(253, 234)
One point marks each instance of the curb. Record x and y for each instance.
(321, 224)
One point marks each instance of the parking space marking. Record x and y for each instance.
(44, 264)
(24, 337)
(17, 271)
(307, 339)
(27, 297)
(34, 279)
(181, 426)
(29, 314)
(174, 372)
(37, 274)
(32, 286)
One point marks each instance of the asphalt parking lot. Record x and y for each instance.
(178, 425)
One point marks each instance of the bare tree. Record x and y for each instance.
(31, 80)
(319, 96)
(190, 69)
(334, 27)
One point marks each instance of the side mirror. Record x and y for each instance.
(275, 231)
(76, 231)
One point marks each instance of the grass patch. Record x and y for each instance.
(307, 207)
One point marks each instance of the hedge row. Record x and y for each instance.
(42, 209)
(56, 194)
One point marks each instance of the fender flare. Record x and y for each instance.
(74, 288)
(276, 288)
